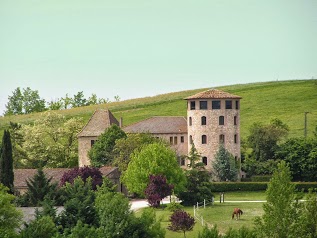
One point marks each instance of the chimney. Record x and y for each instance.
(121, 122)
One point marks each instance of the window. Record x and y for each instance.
(222, 139)
(228, 104)
(203, 105)
(203, 120)
(236, 158)
(204, 139)
(182, 162)
(235, 120)
(175, 140)
(92, 142)
(216, 104)
(205, 160)
(191, 139)
(182, 139)
(190, 121)
(192, 105)
(221, 120)
(237, 104)
(235, 138)
(171, 140)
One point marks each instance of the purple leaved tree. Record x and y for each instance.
(181, 221)
(157, 189)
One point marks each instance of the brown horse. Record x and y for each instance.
(237, 212)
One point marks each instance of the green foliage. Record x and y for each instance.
(301, 155)
(261, 178)
(181, 221)
(102, 151)
(39, 188)
(6, 161)
(79, 205)
(81, 230)
(238, 186)
(124, 147)
(210, 232)
(18, 153)
(153, 159)
(10, 217)
(263, 139)
(253, 167)
(224, 166)
(41, 227)
(243, 232)
(51, 141)
(280, 210)
(173, 206)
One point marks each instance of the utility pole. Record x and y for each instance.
(305, 129)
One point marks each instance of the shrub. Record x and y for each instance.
(261, 178)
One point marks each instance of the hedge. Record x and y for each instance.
(255, 186)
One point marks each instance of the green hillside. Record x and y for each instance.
(261, 102)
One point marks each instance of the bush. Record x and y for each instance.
(238, 186)
(173, 206)
(261, 178)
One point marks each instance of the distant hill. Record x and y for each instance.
(261, 102)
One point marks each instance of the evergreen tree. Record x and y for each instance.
(224, 166)
(40, 187)
(6, 162)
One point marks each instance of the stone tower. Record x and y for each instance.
(213, 118)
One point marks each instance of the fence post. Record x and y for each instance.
(197, 206)
(194, 211)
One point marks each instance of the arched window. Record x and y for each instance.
(190, 121)
(204, 160)
(204, 139)
(203, 120)
(221, 139)
(235, 120)
(221, 120)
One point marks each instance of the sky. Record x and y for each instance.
(138, 48)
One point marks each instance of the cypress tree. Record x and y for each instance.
(6, 162)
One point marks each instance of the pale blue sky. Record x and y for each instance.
(137, 48)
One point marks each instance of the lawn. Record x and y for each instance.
(220, 213)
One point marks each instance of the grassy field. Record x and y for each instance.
(261, 102)
(220, 213)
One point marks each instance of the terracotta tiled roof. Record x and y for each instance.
(99, 121)
(21, 175)
(159, 125)
(213, 93)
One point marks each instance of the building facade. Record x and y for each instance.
(213, 119)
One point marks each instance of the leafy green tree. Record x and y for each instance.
(124, 147)
(264, 139)
(66, 101)
(254, 167)
(18, 153)
(51, 141)
(79, 205)
(41, 227)
(92, 100)
(10, 217)
(32, 101)
(15, 104)
(6, 161)
(301, 155)
(281, 209)
(79, 100)
(198, 185)
(40, 187)
(55, 104)
(224, 166)
(153, 159)
(181, 221)
(102, 151)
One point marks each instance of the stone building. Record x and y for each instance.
(213, 118)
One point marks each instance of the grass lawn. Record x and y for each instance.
(220, 213)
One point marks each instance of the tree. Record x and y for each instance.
(301, 155)
(280, 210)
(154, 159)
(32, 101)
(55, 105)
(157, 189)
(124, 147)
(79, 205)
(102, 151)
(40, 187)
(198, 185)
(66, 101)
(224, 166)
(41, 227)
(6, 162)
(18, 153)
(10, 216)
(84, 173)
(263, 139)
(92, 100)
(51, 141)
(79, 100)
(15, 104)
(181, 221)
